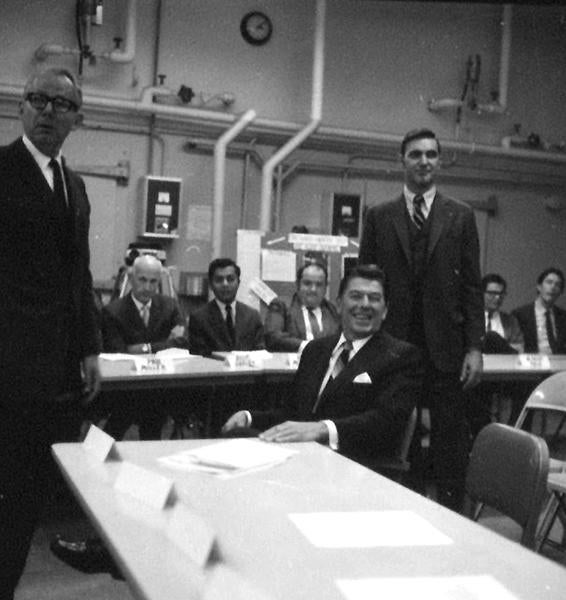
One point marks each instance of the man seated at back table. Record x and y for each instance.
(142, 322)
(309, 316)
(354, 390)
(542, 322)
(503, 336)
(224, 324)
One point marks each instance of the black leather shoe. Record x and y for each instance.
(87, 556)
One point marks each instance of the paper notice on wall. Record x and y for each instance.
(249, 253)
(319, 243)
(278, 265)
(199, 222)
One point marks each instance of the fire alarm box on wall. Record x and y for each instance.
(162, 199)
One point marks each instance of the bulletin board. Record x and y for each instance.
(275, 257)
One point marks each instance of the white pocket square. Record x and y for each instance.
(362, 378)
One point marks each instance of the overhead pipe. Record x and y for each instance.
(500, 105)
(117, 56)
(297, 140)
(220, 176)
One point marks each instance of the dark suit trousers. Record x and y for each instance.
(449, 436)
(26, 467)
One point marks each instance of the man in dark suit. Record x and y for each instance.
(428, 245)
(308, 317)
(542, 322)
(48, 324)
(224, 324)
(354, 390)
(142, 322)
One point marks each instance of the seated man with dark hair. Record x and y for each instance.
(224, 324)
(308, 317)
(353, 390)
(542, 322)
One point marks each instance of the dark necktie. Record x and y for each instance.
(342, 359)
(144, 313)
(58, 190)
(550, 332)
(314, 324)
(230, 325)
(418, 215)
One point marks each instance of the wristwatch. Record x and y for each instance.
(146, 348)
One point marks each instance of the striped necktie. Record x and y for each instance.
(144, 314)
(316, 333)
(550, 331)
(418, 215)
(342, 360)
(230, 325)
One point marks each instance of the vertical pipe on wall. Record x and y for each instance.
(301, 136)
(220, 176)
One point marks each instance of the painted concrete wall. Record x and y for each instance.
(384, 62)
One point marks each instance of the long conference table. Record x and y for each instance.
(280, 368)
(369, 537)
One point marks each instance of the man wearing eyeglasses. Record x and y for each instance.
(48, 322)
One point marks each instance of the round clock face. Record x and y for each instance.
(256, 28)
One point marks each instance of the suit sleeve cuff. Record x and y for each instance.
(332, 434)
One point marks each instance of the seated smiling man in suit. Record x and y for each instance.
(354, 390)
(309, 316)
(224, 324)
(141, 322)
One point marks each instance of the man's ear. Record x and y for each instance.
(79, 118)
(21, 108)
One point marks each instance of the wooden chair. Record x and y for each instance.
(508, 471)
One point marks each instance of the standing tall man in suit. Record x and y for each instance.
(542, 322)
(224, 324)
(353, 390)
(310, 315)
(428, 245)
(48, 322)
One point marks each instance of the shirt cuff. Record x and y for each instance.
(332, 434)
(248, 418)
(302, 346)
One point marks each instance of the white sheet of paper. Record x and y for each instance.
(278, 265)
(368, 529)
(225, 583)
(191, 533)
(459, 587)
(98, 443)
(148, 487)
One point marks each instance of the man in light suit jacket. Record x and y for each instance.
(225, 324)
(428, 246)
(542, 322)
(354, 390)
(48, 322)
(126, 328)
(308, 317)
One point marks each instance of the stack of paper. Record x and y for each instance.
(230, 457)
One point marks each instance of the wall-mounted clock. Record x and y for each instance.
(256, 28)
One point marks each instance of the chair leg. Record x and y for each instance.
(547, 521)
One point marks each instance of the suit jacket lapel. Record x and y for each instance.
(30, 171)
(399, 218)
(440, 217)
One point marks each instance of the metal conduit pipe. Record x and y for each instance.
(220, 176)
(316, 112)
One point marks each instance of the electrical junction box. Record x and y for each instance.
(161, 203)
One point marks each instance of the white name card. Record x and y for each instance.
(191, 533)
(148, 487)
(98, 443)
(225, 583)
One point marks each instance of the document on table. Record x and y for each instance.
(368, 529)
(230, 457)
(459, 587)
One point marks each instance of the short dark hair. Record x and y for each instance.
(57, 72)
(493, 278)
(418, 134)
(222, 263)
(312, 264)
(549, 271)
(366, 272)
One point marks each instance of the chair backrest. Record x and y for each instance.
(550, 394)
(508, 471)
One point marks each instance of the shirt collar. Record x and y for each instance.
(357, 345)
(140, 305)
(41, 159)
(428, 197)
